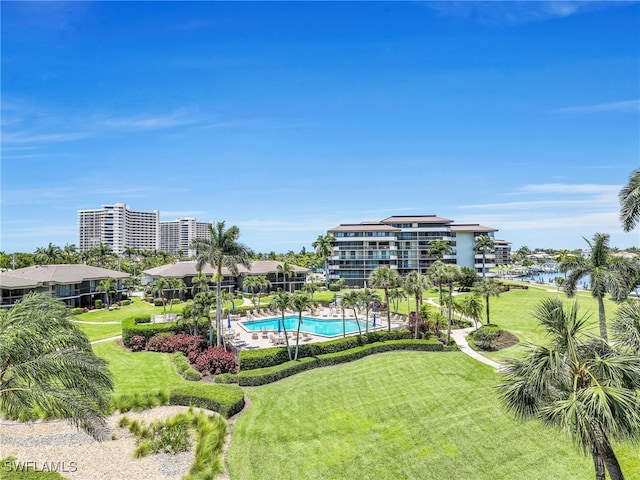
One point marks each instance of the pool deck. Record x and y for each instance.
(246, 340)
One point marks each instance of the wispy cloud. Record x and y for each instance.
(511, 13)
(626, 106)
(155, 122)
(586, 188)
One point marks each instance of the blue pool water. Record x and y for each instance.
(328, 327)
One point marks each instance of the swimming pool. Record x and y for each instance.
(328, 327)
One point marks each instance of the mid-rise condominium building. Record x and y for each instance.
(119, 227)
(176, 235)
(403, 243)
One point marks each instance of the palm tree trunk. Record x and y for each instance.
(386, 299)
(602, 319)
(326, 273)
(366, 324)
(298, 335)
(607, 455)
(483, 264)
(357, 322)
(286, 338)
(487, 302)
(599, 466)
(344, 325)
(218, 315)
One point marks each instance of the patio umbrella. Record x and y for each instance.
(374, 319)
(228, 321)
(279, 327)
(233, 307)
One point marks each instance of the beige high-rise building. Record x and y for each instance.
(176, 235)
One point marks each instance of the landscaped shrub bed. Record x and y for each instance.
(216, 360)
(148, 330)
(227, 400)
(262, 376)
(184, 369)
(76, 311)
(181, 342)
(268, 357)
(226, 378)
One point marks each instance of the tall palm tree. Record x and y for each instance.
(286, 270)
(607, 274)
(158, 287)
(385, 278)
(564, 257)
(311, 288)
(176, 285)
(439, 248)
(323, 250)
(414, 285)
(221, 249)
(283, 301)
(108, 286)
(437, 274)
(487, 288)
(577, 383)
(351, 300)
(300, 302)
(626, 326)
(69, 253)
(251, 283)
(471, 306)
(100, 254)
(368, 297)
(450, 276)
(395, 295)
(629, 198)
(46, 364)
(483, 245)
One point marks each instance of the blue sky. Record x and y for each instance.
(287, 119)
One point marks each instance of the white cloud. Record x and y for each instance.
(626, 106)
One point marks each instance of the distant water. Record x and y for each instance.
(549, 279)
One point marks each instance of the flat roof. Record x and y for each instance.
(471, 227)
(416, 219)
(364, 227)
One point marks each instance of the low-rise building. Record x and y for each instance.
(76, 285)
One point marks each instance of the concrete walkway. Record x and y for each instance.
(110, 339)
(460, 337)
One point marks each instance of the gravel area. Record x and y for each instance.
(75, 455)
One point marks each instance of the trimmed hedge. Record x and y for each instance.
(269, 357)
(148, 330)
(226, 378)
(184, 369)
(227, 400)
(262, 376)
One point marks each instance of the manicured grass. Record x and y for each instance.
(100, 331)
(137, 307)
(512, 311)
(403, 415)
(138, 371)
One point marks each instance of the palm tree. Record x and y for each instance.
(368, 297)
(100, 254)
(69, 253)
(437, 274)
(606, 273)
(176, 285)
(483, 244)
(108, 286)
(629, 198)
(158, 286)
(395, 295)
(49, 255)
(46, 364)
(282, 301)
(414, 285)
(626, 326)
(351, 300)
(487, 288)
(251, 283)
(439, 248)
(311, 288)
(201, 308)
(221, 249)
(129, 251)
(471, 306)
(451, 274)
(199, 283)
(563, 257)
(385, 278)
(323, 246)
(300, 302)
(286, 270)
(577, 383)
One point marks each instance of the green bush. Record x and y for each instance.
(143, 319)
(138, 401)
(76, 311)
(268, 357)
(184, 368)
(485, 336)
(226, 378)
(97, 303)
(124, 303)
(227, 400)
(130, 328)
(262, 376)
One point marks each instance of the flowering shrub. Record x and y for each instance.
(215, 360)
(182, 342)
(137, 343)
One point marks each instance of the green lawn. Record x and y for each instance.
(140, 371)
(512, 312)
(101, 330)
(398, 415)
(137, 307)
